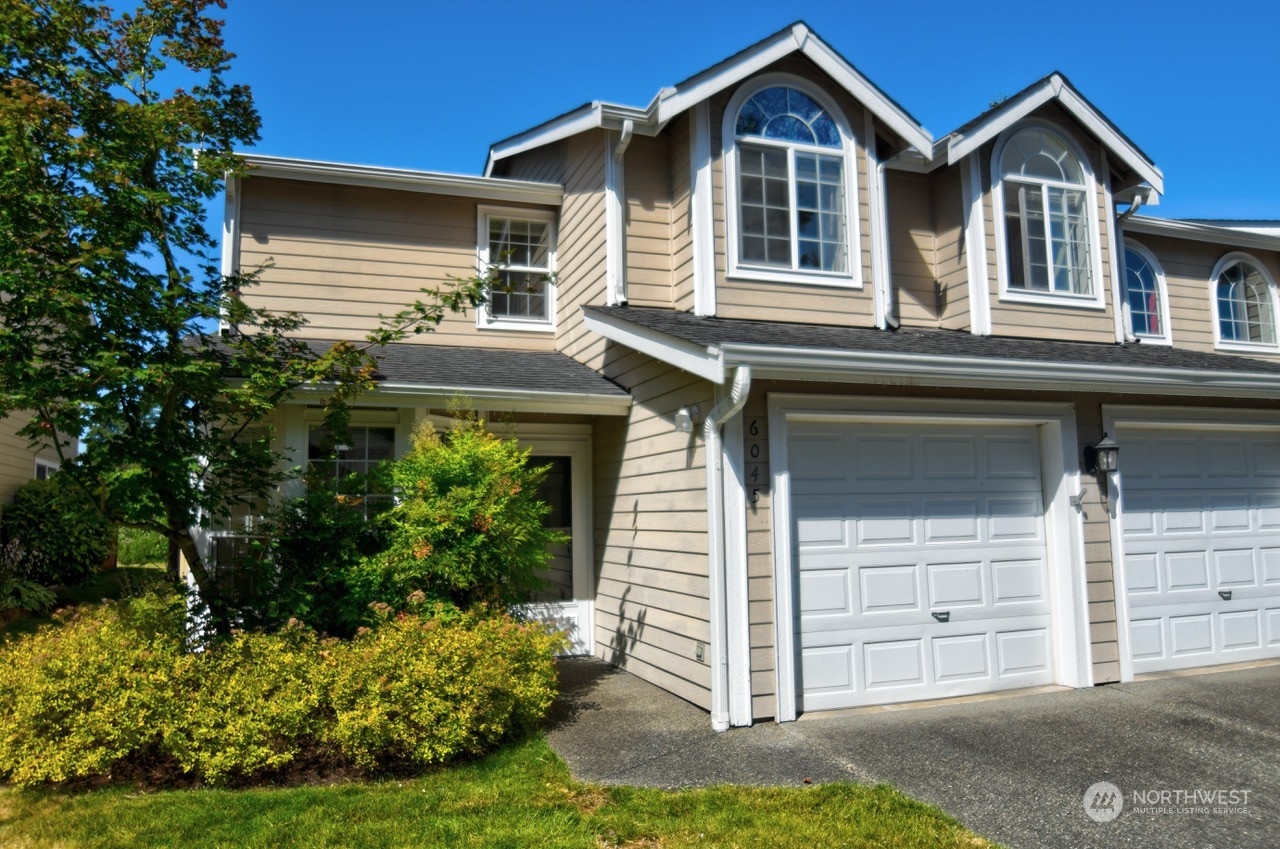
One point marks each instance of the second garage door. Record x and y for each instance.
(920, 561)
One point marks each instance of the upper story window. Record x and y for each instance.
(519, 247)
(1145, 297)
(1041, 190)
(790, 185)
(1245, 301)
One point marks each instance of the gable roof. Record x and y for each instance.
(672, 101)
(708, 347)
(1055, 87)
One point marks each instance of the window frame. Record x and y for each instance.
(736, 268)
(365, 419)
(50, 467)
(1243, 346)
(1018, 294)
(485, 320)
(1162, 290)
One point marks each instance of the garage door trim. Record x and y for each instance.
(1190, 419)
(1063, 525)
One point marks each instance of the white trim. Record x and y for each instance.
(735, 269)
(737, 605)
(975, 245)
(1115, 254)
(1068, 600)
(431, 182)
(486, 321)
(1115, 418)
(696, 359)
(615, 232)
(1162, 288)
(580, 120)
(877, 203)
(1096, 300)
(230, 255)
(50, 466)
(702, 210)
(1202, 233)
(1236, 345)
(960, 145)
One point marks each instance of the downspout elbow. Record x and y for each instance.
(1137, 203)
(624, 139)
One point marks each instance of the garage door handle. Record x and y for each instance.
(1225, 594)
(942, 615)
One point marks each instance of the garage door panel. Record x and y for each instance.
(1186, 570)
(1227, 458)
(1146, 639)
(1010, 519)
(1017, 581)
(1022, 652)
(889, 588)
(1272, 618)
(1266, 458)
(1270, 566)
(820, 522)
(953, 585)
(1240, 630)
(1013, 457)
(1234, 569)
(882, 458)
(964, 657)
(884, 521)
(895, 663)
(1190, 635)
(828, 669)
(951, 520)
(1141, 573)
(825, 591)
(949, 457)
(819, 457)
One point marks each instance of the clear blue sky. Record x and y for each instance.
(430, 85)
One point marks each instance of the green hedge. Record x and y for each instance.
(112, 685)
(62, 533)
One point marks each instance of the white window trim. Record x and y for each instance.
(1013, 294)
(50, 467)
(849, 151)
(486, 321)
(1162, 286)
(1233, 344)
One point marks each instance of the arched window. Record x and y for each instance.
(1245, 300)
(1042, 190)
(1145, 299)
(788, 161)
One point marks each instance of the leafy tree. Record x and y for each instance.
(116, 129)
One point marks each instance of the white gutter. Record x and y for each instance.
(1202, 233)
(719, 587)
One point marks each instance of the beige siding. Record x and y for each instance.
(547, 164)
(343, 255)
(681, 214)
(790, 301)
(1187, 266)
(953, 261)
(652, 599)
(582, 269)
(912, 248)
(18, 458)
(647, 175)
(1052, 322)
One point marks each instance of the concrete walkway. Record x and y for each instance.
(1014, 769)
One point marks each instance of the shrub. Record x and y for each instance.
(416, 691)
(136, 547)
(64, 533)
(17, 590)
(468, 526)
(79, 697)
(250, 705)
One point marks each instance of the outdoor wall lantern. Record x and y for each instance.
(686, 418)
(1102, 457)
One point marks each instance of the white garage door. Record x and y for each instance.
(920, 561)
(1201, 525)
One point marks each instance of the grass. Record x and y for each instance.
(522, 796)
(113, 583)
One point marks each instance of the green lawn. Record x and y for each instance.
(520, 797)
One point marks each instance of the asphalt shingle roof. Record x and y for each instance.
(712, 332)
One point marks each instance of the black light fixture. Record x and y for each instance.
(1103, 457)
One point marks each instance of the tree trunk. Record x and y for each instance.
(210, 594)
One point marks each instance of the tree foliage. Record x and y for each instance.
(116, 129)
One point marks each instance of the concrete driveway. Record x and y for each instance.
(1195, 758)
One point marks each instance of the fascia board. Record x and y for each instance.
(524, 401)
(718, 79)
(1055, 88)
(932, 370)
(698, 360)
(1230, 236)
(430, 182)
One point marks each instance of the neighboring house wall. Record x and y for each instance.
(753, 299)
(652, 597)
(343, 255)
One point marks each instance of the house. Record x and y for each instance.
(19, 461)
(827, 397)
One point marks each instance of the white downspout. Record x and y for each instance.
(726, 409)
(615, 216)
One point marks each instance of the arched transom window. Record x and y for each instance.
(1047, 229)
(1144, 295)
(791, 186)
(1245, 303)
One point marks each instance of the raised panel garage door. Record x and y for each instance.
(920, 562)
(1201, 525)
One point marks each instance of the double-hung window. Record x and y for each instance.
(351, 461)
(1042, 191)
(790, 188)
(517, 253)
(1244, 297)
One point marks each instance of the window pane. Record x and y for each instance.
(556, 490)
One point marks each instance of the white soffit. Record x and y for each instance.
(1055, 87)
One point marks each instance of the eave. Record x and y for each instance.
(1199, 232)
(481, 398)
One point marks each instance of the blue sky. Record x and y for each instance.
(430, 85)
